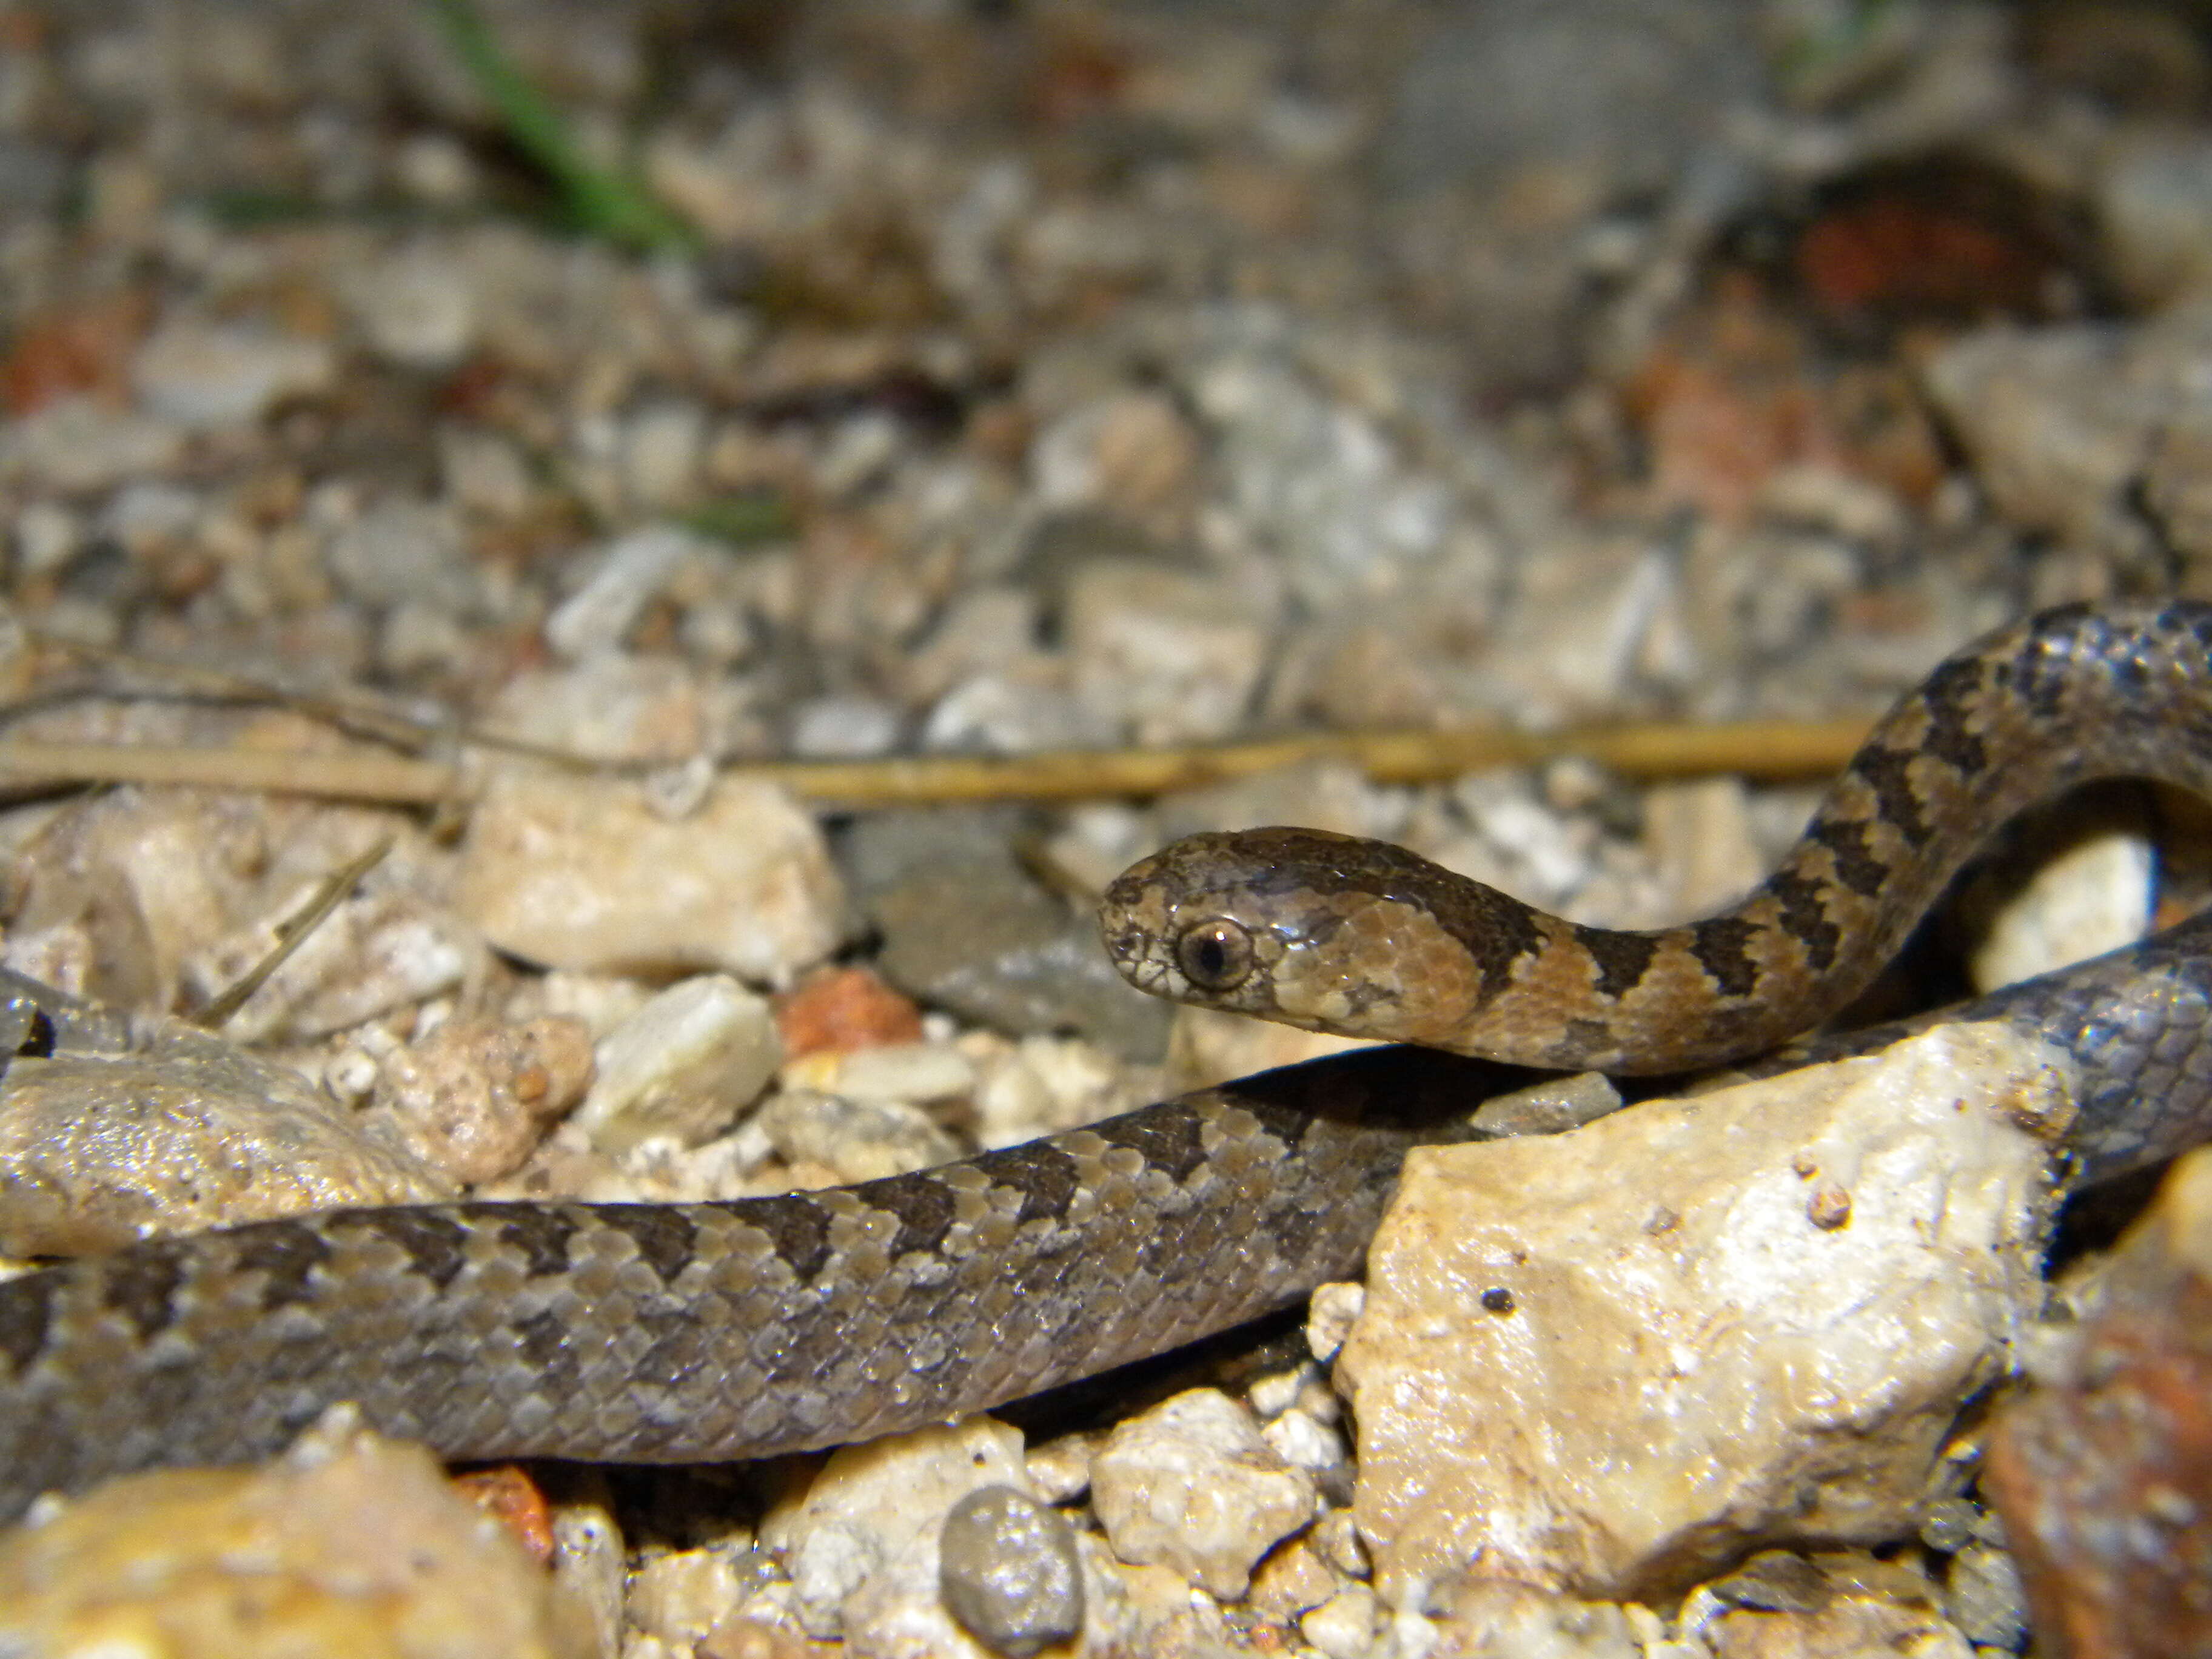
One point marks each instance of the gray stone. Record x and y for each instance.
(402, 550)
(1621, 90)
(1009, 1571)
(966, 929)
(1982, 1596)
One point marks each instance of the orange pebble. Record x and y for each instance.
(513, 1497)
(845, 1009)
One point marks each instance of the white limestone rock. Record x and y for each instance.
(1610, 1360)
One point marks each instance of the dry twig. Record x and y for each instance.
(1769, 751)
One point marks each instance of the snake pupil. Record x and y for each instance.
(1216, 955)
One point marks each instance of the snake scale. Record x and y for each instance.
(682, 1332)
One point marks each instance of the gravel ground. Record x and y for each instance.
(978, 381)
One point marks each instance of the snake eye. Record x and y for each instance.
(1215, 954)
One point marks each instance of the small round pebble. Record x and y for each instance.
(1009, 1571)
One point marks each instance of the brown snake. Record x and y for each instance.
(682, 1332)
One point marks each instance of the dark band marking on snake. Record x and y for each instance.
(685, 1332)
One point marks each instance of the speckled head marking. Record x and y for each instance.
(1356, 937)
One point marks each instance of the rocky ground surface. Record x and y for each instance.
(993, 380)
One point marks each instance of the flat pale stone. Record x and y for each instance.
(576, 873)
(1610, 1360)
(685, 1065)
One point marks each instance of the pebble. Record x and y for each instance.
(1344, 1627)
(588, 1570)
(1010, 1571)
(1497, 1619)
(844, 1009)
(199, 374)
(402, 551)
(2151, 195)
(148, 518)
(1191, 1485)
(483, 473)
(348, 1545)
(843, 727)
(2058, 422)
(661, 445)
(2101, 1474)
(144, 876)
(1169, 656)
(627, 575)
(414, 307)
(1317, 480)
(1330, 1315)
(1838, 1602)
(386, 947)
(1593, 1294)
(1291, 1579)
(1336, 1539)
(47, 535)
(916, 1072)
(902, 1614)
(1545, 855)
(1701, 840)
(681, 1595)
(1172, 1619)
(1060, 1470)
(858, 1140)
(1305, 1443)
(869, 1501)
(984, 631)
(474, 1096)
(79, 446)
(683, 1066)
(1022, 709)
(618, 707)
(1984, 1597)
(184, 1134)
(743, 1637)
(1045, 1085)
(593, 879)
(2095, 893)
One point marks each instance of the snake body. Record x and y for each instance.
(682, 1332)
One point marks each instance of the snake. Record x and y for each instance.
(707, 1332)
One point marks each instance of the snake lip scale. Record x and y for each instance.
(695, 1332)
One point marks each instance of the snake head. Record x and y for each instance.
(1328, 932)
